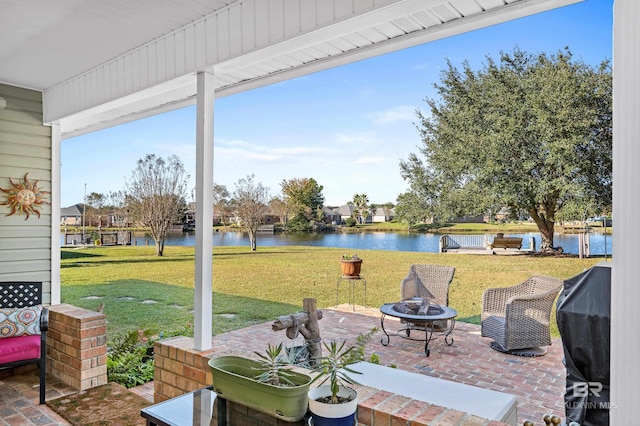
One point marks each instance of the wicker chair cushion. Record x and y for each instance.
(15, 322)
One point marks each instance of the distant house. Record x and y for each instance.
(501, 215)
(383, 214)
(345, 211)
(270, 219)
(468, 219)
(71, 216)
(331, 215)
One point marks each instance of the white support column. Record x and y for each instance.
(625, 273)
(204, 213)
(55, 214)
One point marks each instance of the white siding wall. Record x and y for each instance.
(25, 147)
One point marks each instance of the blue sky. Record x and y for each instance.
(347, 127)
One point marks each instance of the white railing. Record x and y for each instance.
(462, 242)
(456, 242)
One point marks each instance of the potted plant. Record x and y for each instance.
(335, 403)
(350, 265)
(269, 385)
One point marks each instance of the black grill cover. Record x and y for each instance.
(583, 316)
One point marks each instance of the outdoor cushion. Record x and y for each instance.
(16, 322)
(19, 348)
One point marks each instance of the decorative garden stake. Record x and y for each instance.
(305, 323)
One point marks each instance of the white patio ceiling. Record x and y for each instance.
(101, 63)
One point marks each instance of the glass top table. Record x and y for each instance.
(431, 325)
(194, 408)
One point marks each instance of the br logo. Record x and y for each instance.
(586, 389)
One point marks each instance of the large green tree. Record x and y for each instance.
(305, 198)
(155, 195)
(531, 132)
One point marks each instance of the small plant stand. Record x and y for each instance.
(351, 279)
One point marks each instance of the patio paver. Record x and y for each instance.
(538, 383)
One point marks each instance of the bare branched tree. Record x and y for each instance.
(281, 208)
(120, 213)
(221, 202)
(251, 200)
(96, 202)
(155, 195)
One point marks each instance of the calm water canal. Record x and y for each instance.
(369, 241)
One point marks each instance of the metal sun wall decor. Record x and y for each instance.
(24, 197)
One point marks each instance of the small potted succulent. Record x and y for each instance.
(335, 403)
(269, 385)
(350, 265)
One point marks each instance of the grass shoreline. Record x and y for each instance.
(457, 228)
(142, 291)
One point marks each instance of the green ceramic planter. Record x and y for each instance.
(233, 380)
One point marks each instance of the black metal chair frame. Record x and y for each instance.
(21, 294)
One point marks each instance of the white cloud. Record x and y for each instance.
(296, 150)
(421, 66)
(185, 151)
(247, 151)
(232, 154)
(369, 160)
(392, 115)
(356, 138)
(232, 142)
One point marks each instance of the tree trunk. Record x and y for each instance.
(547, 237)
(252, 239)
(159, 247)
(546, 228)
(311, 330)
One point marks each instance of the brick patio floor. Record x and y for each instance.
(538, 383)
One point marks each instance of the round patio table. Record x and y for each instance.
(424, 323)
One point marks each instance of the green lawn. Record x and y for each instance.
(142, 291)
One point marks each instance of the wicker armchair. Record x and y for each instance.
(517, 318)
(430, 282)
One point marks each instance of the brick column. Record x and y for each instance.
(77, 346)
(179, 368)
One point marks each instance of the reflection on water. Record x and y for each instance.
(370, 241)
